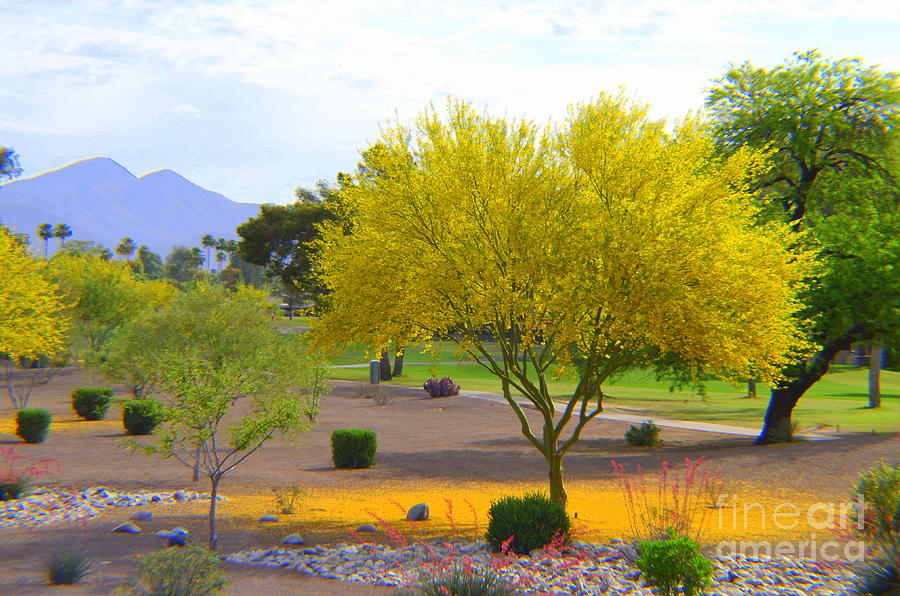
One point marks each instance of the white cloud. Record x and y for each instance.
(189, 109)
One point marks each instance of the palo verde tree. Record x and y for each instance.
(225, 386)
(832, 129)
(584, 249)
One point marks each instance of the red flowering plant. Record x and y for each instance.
(16, 477)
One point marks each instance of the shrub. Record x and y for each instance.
(68, 567)
(189, 571)
(10, 490)
(288, 499)
(645, 435)
(443, 387)
(462, 581)
(353, 448)
(674, 562)
(140, 416)
(879, 487)
(91, 403)
(879, 575)
(531, 521)
(33, 424)
(785, 431)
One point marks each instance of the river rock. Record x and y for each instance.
(367, 528)
(126, 528)
(293, 539)
(418, 512)
(141, 516)
(268, 518)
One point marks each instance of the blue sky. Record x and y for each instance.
(252, 99)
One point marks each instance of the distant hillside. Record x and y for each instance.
(102, 201)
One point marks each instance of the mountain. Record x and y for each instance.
(102, 201)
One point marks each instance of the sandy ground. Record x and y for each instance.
(429, 445)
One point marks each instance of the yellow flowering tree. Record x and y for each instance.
(31, 319)
(587, 249)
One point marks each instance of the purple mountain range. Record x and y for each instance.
(102, 201)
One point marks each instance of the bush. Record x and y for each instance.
(68, 567)
(33, 424)
(880, 575)
(140, 416)
(443, 387)
(189, 571)
(91, 403)
(645, 435)
(532, 520)
(353, 448)
(14, 490)
(460, 581)
(674, 562)
(879, 486)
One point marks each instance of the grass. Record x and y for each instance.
(840, 398)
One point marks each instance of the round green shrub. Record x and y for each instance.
(189, 571)
(879, 487)
(141, 416)
(91, 403)
(33, 424)
(532, 520)
(353, 448)
(674, 562)
(645, 435)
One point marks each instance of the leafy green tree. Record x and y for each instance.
(87, 247)
(211, 354)
(150, 263)
(62, 231)
(45, 233)
(586, 249)
(282, 237)
(126, 248)
(209, 242)
(9, 163)
(832, 129)
(182, 263)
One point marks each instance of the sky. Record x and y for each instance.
(254, 98)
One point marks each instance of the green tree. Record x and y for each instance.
(45, 232)
(182, 263)
(126, 248)
(586, 249)
(831, 127)
(282, 237)
(209, 242)
(9, 163)
(87, 247)
(62, 231)
(149, 263)
(212, 353)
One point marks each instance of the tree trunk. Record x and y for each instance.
(557, 489)
(874, 375)
(385, 365)
(788, 392)
(213, 534)
(196, 475)
(751, 388)
(398, 364)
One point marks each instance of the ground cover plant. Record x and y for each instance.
(68, 567)
(188, 571)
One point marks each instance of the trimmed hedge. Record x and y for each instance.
(33, 424)
(91, 403)
(532, 521)
(140, 416)
(353, 448)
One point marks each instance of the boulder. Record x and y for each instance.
(367, 528)
(418, 512)
(141, 516)
(126, 528)
(268, 518)
(293, 539)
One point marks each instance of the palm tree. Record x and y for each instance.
(126, 248)
(208, 241)
(45, 231)
(196, 257)
(220, 258)
(62, 231)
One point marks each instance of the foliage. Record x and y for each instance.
(9, 163)
(879, 487)
(461, 580)
(30, 313)
(784, 431)
(33, 424)
(182, 263)
(831, 129)
(68, 567)
(645, 435)
(879, 574)
(211, 352)
(443, 387)
(674, 563)
(21, 375)
(288, 499)
(587, 249)
(353, 448)
(189, 571)
(102, 296)
(15, 479)
(141, 416)
(92, 403)
(531, 521)
(281, 237)
(149, 263)
(677, 502)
